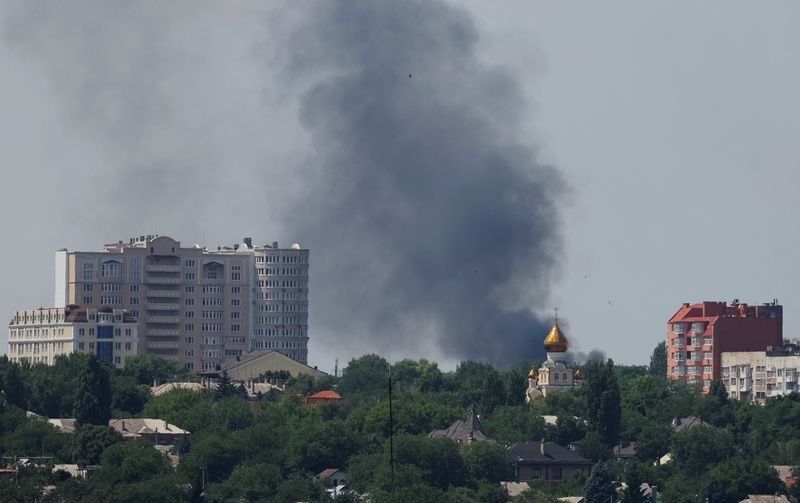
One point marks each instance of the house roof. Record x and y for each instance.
(542, 453)
(470, 429)
(328, 394)
(324, 474)
(136, 427)
(684, 423)
(625, 449)
(129, 428)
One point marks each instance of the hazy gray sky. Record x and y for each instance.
(675, 124)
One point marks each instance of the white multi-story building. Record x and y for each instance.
(39, 335)
(756, 376)
(203, 308)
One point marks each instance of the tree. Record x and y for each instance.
(486, 461)
(148, 369)
(91, 441)
(696, 449)
(732, 480)
(658, 360)
(367, 375)
(93, 396)
(600, 485)
(225, 387)
(493, 392)
(13, 387)
(134, 472)
(603, 402)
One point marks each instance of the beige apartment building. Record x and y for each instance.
(39, 335)
(203, 308)
(756, 376)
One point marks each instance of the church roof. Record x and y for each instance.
(556, 341)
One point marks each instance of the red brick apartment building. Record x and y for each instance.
(698, 334)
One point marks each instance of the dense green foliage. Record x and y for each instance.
(269, 449)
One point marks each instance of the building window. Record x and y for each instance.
(555, 473)
(128, 346)
(189, 314)
(134, 288)
(536, 472)
(88, 271)
(189, 327)
(87, 288)
(235, 315)
(235, 302)
(87, 300)
(111, 270)
(189, 302)
(234, 328)
(189, 289)
(189, 263)
(189, 340)
(80, 345)
(698, 327)
(189, 276)
(235, 290)
(236, 273)
(134, 301)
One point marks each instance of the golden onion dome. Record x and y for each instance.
(578, 375)
(556, 342)
(532, 374)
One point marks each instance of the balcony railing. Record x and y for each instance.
(162, 268)
(162, 345)
(163, 281)
(163, 307)
(164, 293)
(161, 332)
(163, 319)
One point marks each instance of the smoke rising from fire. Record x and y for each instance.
(432, 223)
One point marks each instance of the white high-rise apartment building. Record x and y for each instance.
(204, 308)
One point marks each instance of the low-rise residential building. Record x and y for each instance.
(323, 397)
(546, 461)
(158, 431)
(40, 335)
(463, 432)
(756, 376)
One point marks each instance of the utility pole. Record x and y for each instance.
(391, 438)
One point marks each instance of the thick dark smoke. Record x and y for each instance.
(432, 225)
(432, 222)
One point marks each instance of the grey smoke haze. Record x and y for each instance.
(432, 224)
(430, 216)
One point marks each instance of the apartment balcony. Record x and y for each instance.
(163, 319)
(163, 281)
(162, 268)
(172, 294)
(163, 307)
(161, 332)
(162, 345)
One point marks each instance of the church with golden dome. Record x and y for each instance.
(553, 375)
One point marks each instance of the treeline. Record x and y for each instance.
(270, 449)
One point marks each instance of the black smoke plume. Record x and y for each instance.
(432, 222)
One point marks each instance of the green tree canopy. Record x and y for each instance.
(93, 396)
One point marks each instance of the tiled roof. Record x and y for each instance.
(324, 474)
(463, 430)
(684, 423)
(544, 453)
(329, 394)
